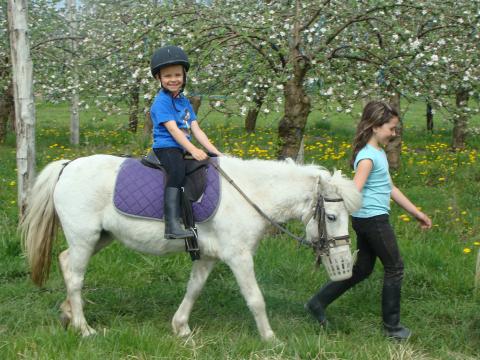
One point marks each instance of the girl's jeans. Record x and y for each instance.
(174, 164)
(375, 238)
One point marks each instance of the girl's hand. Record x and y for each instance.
(424, 220)
(199, 154)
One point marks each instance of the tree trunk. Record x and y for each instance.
(196, 101)
(297, 103)
(75, 97)
(460, 122)
(394, 147)
(23, 94)
(134, 108)
(7, 111)
(252, 114)
(429, 117)
(292, 125)
(148, 125)
(251, 119)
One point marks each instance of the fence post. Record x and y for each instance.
(477, 272)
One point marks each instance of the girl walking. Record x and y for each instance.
(375, 235)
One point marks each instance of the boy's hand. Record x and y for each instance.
(199, 154)
(424, 220)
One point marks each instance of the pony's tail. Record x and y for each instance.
(39, 225)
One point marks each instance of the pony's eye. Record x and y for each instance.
(331, 217)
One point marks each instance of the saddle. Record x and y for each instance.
(139, 192)
(195, 178)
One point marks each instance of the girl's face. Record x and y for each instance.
(171, 78)
(384, 133)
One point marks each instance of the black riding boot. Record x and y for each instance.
(173, 228)
(327, 294)
(391, 313)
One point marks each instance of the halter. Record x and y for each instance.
(325, 242)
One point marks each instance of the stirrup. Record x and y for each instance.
(191, 245)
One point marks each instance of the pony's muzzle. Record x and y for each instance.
(339, 261)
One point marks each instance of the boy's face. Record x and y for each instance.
(171, 78)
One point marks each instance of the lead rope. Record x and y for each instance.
(301, 241)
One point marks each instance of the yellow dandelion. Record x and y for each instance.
(441, 179)
(476, 243)
(12, 183)
(467, 251)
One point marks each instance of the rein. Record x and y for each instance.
(300, 240)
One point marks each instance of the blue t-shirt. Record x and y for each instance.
(378, 187)
(163, 110)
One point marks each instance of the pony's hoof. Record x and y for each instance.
(270, 337)
(182, 331)
(88, 331)
(64, 320)
(276, 342)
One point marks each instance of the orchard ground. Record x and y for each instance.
(131, 298)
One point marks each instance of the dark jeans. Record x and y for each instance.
(173, 162)
(375, 238)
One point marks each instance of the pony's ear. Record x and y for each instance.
(347, 189)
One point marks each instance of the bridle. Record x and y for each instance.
(325, 242)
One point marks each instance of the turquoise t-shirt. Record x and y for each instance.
(166, 108)
(378, 187)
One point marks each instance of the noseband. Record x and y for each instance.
(324, 242)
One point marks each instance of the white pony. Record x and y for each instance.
(80, 194)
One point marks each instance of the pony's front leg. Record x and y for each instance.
(200, 271)
(242, 268)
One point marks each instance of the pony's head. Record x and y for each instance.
(336, 198)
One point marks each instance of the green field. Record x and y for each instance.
(130, 298)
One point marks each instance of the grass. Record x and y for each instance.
(131, 298)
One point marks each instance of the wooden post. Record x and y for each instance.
(23, 95)
(75, 96)
(477, 272)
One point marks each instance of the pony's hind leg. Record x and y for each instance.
(200, 271)
(66, 316)
(73, 263)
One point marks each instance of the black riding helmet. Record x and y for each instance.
(168, 55)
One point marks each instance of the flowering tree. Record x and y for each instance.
(402, 54)
(119, 38)
(294, 43)
(453, 60)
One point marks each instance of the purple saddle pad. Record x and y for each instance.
(139, 192)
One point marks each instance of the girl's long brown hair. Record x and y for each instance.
(375, 113)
